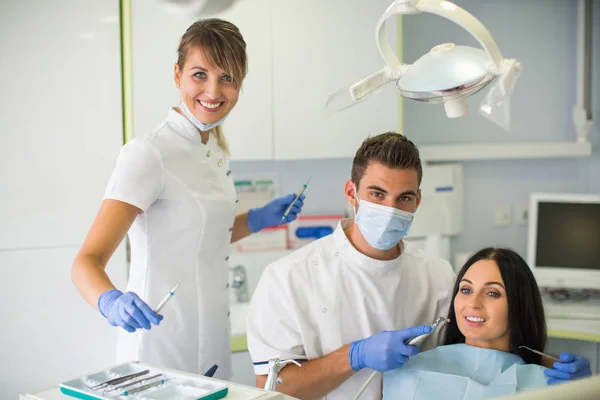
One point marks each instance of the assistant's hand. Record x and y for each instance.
(127, 310)
(571, 366)
(385, 350)
(270, 214)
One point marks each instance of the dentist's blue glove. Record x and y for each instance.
(385, 350)
(270, 214)
(127, 310)
(571, 366)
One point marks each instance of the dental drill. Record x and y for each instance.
(415, 341)
(276, 365)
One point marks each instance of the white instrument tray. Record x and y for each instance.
(176, 386)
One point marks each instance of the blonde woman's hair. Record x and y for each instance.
(223, 45)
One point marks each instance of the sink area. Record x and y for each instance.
(244, 274)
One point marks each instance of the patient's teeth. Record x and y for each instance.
(475, 319)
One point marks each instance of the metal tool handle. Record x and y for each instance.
(417, 340)
(539, 353)
(143, 387)
(276, 365)
(134, 383)
(121, 379)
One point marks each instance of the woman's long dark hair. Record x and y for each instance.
(526, 321)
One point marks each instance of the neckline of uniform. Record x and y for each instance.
(358, 259)
(187, 129)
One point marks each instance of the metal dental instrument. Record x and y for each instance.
(163, 302)
(276, 365)
(144, 387)
(133, 383)
(540, 353)
(122, 379)
(166, 298)
(415, 341)
(287, 211)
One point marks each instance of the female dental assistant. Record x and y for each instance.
(173, 192)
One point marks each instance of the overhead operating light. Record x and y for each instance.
(197, 7)
(447, 74)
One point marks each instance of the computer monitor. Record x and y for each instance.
(563, 248)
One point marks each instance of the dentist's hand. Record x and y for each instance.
(270, 214)
(571, 366)
(385, 350)
(127, 310)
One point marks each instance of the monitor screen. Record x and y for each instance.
(568, 235)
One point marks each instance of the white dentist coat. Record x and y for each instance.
(187, 196)
(328, 294)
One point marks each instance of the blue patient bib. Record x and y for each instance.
(461, 372)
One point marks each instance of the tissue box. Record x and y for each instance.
(307, 228)
(274, 238)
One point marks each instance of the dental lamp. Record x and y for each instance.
(197, 7)
(447, 74)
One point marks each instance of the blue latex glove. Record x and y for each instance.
(270, 214)
(127, 310)
(571, 366)
(385, 350)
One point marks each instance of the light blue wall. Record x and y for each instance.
(543, 38)
(595, 162)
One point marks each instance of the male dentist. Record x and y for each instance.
(345, 304)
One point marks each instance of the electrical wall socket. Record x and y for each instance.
(501, 216)
(521, 214)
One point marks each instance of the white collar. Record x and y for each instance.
(354, 257)
(186, 129)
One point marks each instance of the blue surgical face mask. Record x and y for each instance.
(381, 226)
(200, 125)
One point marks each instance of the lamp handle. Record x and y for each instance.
(444, 9)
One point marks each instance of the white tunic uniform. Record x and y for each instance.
(328, 294)
(187, 194)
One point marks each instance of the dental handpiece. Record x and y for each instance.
(417, 340)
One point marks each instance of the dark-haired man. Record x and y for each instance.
(345, 304)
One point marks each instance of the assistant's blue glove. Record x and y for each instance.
(270, 214)
(571, 366)
(127, 310)
(385, 350)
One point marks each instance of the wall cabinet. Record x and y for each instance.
(61, 115)
(299, 53)
(62, 130)
(320, 47)
(155, 37)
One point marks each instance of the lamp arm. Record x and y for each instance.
(444, 9)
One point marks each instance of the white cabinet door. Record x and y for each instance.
(319, 47)
(49, 333)
(60, 74)
(156, 34)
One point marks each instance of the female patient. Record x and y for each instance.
(496, 307)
